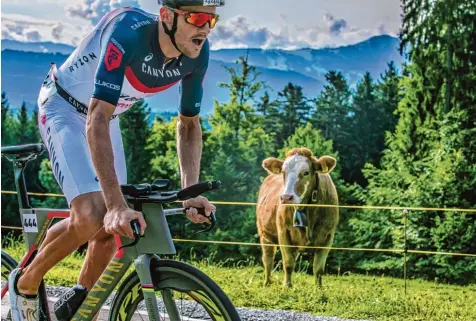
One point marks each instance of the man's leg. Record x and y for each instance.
(101, 249)
(86, 219)
(64, 135)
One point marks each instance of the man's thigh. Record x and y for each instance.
(63, 131)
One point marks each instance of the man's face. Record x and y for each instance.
(189, 38)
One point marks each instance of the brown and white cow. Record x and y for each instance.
(300, 179)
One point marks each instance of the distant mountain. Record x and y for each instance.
(371, 55)
(44, 47)
(26, 64)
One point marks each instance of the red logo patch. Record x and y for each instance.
(43, 119)
(113, 57)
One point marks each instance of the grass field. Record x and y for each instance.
(349, 296)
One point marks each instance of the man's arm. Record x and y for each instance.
(119, 215)
(189, 136)
(100, 146)
(189, 148)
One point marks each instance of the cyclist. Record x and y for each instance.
(129, 55)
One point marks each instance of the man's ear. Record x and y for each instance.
(166, 16)
(324, 165)
(273, 165)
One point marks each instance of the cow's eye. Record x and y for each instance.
(306, 173)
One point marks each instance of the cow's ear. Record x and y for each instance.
(325, 164)
(272, 165)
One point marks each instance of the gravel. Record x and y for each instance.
(245, 313)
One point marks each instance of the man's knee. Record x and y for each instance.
(87, 213)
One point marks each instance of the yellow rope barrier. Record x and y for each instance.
(12, 227)
(34, 194)
(307, 247)
(365, 207)
(330, 248)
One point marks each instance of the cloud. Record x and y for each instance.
(94, 10)
(239, 32)
(57, 30)
(28, 29)
(236, 32)
(33, 36)
(334, 25)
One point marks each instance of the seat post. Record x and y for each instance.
(20, 184)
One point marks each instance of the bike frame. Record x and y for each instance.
(157, 241)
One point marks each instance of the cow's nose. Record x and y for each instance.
(287, 198)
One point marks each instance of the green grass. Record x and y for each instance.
(349, 296)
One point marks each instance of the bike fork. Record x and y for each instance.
(143, 266)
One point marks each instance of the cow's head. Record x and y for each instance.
(299, 170)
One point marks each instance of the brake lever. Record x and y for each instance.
(213, 222)
(136, 230)
(212, 218)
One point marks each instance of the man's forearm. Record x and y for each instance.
(189, 149)
(100, 146)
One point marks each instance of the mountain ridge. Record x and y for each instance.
(304, 67)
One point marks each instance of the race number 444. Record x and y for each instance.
(30, 223)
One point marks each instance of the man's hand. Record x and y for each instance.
(118, 221)
(199, 202)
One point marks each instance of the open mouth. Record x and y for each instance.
(198, 41)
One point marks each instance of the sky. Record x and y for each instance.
(285, 24)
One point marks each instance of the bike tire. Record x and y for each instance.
(179, 277)
(8, 265)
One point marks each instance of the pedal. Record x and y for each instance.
(69, 303)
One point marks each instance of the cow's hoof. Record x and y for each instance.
(287, 285)
(267, 283)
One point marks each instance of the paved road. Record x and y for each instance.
(245, 314)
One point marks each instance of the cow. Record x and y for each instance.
(301, 178)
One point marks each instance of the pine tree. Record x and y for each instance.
(366, 128)
(162, 146)
(23, 129)
(135, 130)
(333, 117)
(8, 125)
(243, 88)
(269, 110)
(387, 94)
(9, 204)
(294, 110)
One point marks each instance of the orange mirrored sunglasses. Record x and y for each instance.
(198, 19)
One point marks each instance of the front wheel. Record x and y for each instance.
(196, 296)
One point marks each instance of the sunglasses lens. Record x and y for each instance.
(213, 22)
(200, 19)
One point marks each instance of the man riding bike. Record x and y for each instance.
(129, 55)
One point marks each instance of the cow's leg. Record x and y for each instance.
(269, 252)
(289, 261)
(320, 257)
